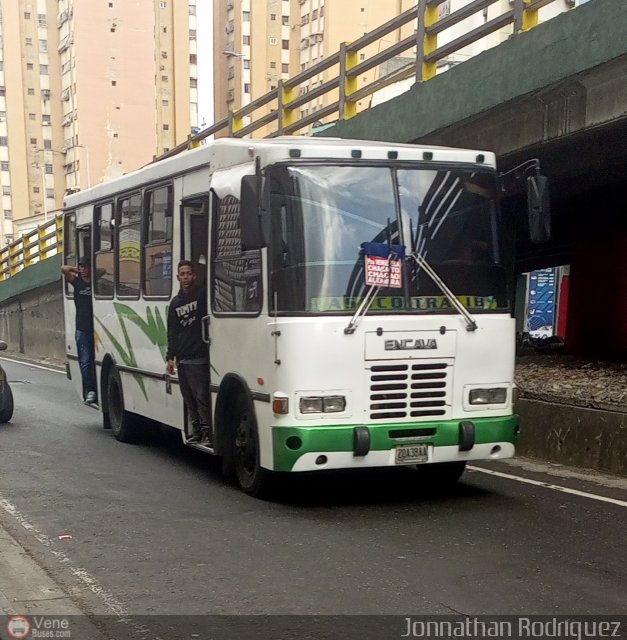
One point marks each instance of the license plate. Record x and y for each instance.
(412, 454)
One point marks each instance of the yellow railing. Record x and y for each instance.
(281, 106)
(42, 242)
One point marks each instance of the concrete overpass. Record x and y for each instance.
(559, 93)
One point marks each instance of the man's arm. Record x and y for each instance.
(172, 339)
(69, 272)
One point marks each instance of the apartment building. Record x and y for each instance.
(259, 42)
(89, 90)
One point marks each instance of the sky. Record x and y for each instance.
(204, 17)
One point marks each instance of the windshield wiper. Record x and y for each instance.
(394, 252)
(471, 324)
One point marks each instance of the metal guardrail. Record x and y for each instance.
(285, 99)
(47, 239)
(42, 242)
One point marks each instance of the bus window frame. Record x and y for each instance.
(118, 225)
(70, 230)
(146, 191)
(96, 239)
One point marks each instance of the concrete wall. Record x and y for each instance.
(31, 312)
(573, 436)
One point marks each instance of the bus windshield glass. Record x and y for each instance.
(321, 214)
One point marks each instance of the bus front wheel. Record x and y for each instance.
(120, 420)
(251, 477)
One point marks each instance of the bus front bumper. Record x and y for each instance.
(386, 445)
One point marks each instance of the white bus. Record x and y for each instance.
(359, 303)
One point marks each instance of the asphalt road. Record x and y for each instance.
(155, 530)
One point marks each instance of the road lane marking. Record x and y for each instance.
(35, 366)
(548, 485)
(91, 583)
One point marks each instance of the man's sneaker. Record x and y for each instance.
(90, 398)
(194, 439)
(206, 438)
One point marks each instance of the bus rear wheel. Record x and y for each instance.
(6, 410)
(120, 420)
(251, 477)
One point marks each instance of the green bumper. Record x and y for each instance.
(290, 443)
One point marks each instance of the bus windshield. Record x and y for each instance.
(321, 214)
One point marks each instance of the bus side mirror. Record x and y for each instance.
(539, 209)
(250, 219)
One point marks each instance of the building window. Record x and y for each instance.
(193, 83)
(4, 165)
(246, 40)
(245, 16)
(4, 141)
(166, 127)
(322, 11)
(247, 87)
(43, 69)
(32, 116)
(114, 83)
(246, 64)
(43, 46)
(285, 68)
(29, 66)
(8, 214)
(47, 144)
(273, 65)
(192, 9)
(6, 191)
(164, 55)
(164, 78)
(274, 41)
(49, 193)
(29, 41)
(193, 58)
(165, 103)
(49, 168)
(33, 141)
(26, 15)
(285, 44)
(314, 14)
(285, 20)
(36, 189)
(42, 20)
(192, 34)
(273, 16)
(162, 5)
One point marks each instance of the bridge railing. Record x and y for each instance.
(43, 242)
(281, 106)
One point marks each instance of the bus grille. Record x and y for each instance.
(409, 391)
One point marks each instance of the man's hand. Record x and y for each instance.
(170, 367)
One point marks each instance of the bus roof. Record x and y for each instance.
(227, 152)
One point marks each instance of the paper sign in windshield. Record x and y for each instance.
(383, 272)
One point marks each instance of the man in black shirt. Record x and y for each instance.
(185, 344)
(80, 279)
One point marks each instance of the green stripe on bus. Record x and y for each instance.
(328, 439)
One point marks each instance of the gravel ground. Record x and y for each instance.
(574, 381)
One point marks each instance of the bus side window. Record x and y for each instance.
(236, 276)
(104, 251)
(158, 243)
(128, 233)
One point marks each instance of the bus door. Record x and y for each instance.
(77, 246)
(194, 247)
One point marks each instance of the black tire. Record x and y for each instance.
(251, 477)
(441, 474)
(120, 420)
(6, 411)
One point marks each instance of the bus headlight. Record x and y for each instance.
(497, 395)
(322, 404)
